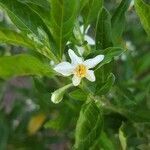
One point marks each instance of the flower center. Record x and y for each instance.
(81, 70)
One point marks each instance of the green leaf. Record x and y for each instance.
(137, 114)
(103, 30)
(83, 3)
(88, 127)
(132, 113)
(143, 63)
(91, 10)
(109, 54)
(26, 22)
(106, 142)
(63, 16)
(59, 123)
(118, 20)
(44, 3)
(29, 23)
(122, 138)
(78, 94)
(12, 37)
(106, 86)
(23, 65)
(42, 8)
(143, 11)
(62, 120)
(103, 142)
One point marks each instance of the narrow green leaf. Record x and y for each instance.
(30, 24)
(12, 37)
(26, 22)
(103, 30)
(109, 54)
(103, 142)
(88, 127)
(23, 65)
(42, 11)
(143, 11)
(137, 114)
(15, 38)
(63, 16)
(106, 86)
(143, 63)
(44, 3)
(42, 8)
(83, 3)
(91, 10)
(134, 114)
(122, 138)
(106, 142)
(118, 20)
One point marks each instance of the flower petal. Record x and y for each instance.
(91, 63)
(86, 30)
(90, 75)
(80, 50)
(82, 29)
(89, 40)
(64, 68)
(76, 80)
(74, 58)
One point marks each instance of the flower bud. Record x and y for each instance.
(58, 95)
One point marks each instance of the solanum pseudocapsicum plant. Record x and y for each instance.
(60, 31)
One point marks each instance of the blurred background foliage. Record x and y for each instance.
(29, 120)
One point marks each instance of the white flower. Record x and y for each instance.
(86, 36)
(89, 40)
(78, 67)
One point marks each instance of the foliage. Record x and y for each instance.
(41, 109)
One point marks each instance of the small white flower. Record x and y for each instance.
(86, 36)
(78, 67)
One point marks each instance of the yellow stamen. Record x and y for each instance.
(81, 70)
